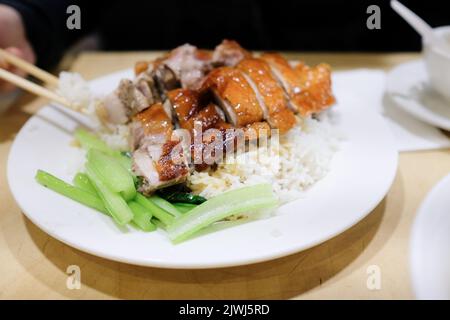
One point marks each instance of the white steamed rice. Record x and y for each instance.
(305, 154)
(76, 90)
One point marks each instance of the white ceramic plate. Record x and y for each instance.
(407, 85)
(430, 245)
(361, 174)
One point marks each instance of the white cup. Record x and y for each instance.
(437, 63)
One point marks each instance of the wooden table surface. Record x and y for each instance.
(34, 265)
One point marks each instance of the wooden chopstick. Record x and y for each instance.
(34, 88)
(29, 68)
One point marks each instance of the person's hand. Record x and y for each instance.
(13, 40)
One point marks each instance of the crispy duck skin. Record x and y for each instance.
(256, 130)
(155, 165)
(140, 67)
(171, 172)
(234, 95)
(287, 77)
(229, 53)
(158, 159)
(271, 96)
(316, 94)
(185, 104)
(211, 117)
(155, 121)
(189, 108)
(153, 125)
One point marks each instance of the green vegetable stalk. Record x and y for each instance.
(218, 208)
(112, 173)
(184, 207)
(74, 193)
(165, 205)
(81, 180)
(156, 211)
(142, 216)
(113, 201)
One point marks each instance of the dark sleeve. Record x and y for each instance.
(46, 25)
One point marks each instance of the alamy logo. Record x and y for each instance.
(374, 277)
(74, 278)
(374, 20)
(74, 20)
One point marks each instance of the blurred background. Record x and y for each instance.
(301, 25)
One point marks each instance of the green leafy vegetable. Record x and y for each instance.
(187, 198)
(156, 211)
(113, 201)
(218, 208)
(74, 193)
(180, 193)
(127, 154)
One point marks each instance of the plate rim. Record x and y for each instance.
(415, 255)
